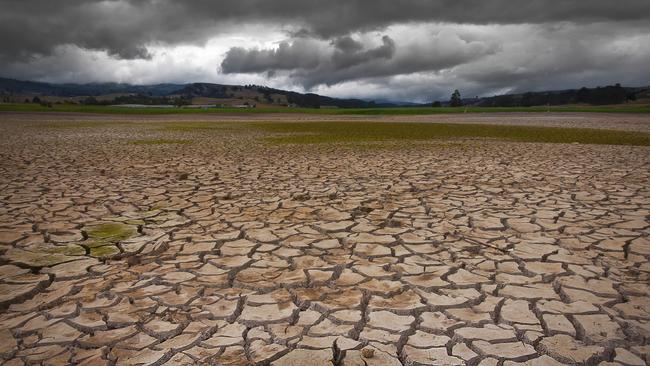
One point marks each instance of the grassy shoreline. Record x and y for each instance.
(333, 132)
(63, 108)
(317, 132)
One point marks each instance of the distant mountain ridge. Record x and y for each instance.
(602, 95)
(13, 90)
(263, 94)
(210, 93)
(77, 90)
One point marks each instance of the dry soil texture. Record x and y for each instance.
(227, 250)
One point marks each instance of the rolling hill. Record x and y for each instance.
(198, 93)
(18, 91)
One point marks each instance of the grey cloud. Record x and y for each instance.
(347, 44)
(348, 59)
(350, 53)
(483, 61)
(301, 54)
(121, 28)
(124, 27)
(309, 59)
(535, 58)
(567, 56)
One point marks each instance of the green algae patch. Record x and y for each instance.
(104, 251)
(108, 233)
(102, 239)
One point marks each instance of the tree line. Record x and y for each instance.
(139, 99)
(612, 94)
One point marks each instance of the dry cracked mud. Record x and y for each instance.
(229, 251)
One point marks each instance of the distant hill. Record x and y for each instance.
(196, 93)
(265, 95)
(611, 94)
(17, 91)
(76, 90)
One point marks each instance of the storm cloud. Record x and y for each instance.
(346, 59)
(343, 48)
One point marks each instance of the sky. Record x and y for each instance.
(407, 50)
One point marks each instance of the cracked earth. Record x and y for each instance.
(229, 251)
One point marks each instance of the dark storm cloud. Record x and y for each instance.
(350, 53)
(346, 59)
(124, 28)
(301, 54)
(313, 59)
(347, 44)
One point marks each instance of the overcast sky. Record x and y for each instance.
(415, 50)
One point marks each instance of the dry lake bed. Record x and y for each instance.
(478, 239)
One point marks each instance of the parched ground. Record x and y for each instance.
(136, 243)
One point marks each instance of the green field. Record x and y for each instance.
(31, 107)
(331, 132)
(355, 131)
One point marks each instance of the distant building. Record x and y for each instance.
(201, 106)
(144, 105)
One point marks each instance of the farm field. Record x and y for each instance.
(234, 238)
